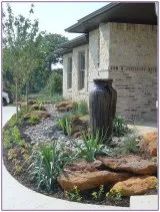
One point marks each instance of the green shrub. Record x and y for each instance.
(92, 146)
(74, 194)
(13, 121)
(47, 97)
(119, 126)
(17, 121)
(114, 196)
(65, 124)
(97, 195)
(33, 119)
(48, 163)
(80, 108)
(11, 137)
(54, 84)
(18, 167)
(130, 144)
(12, 154)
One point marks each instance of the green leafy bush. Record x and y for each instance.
(47, 97)
(97, 195)
(80, 108)
(13, 121)
(48, 163)
(33, 119)
(65, 124)
(54, 84)
(92, 145)
(17, 121)
(114, 196)
(11, 137)
(119, 126)
(74, 194)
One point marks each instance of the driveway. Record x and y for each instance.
(7, 113)
(15, 196)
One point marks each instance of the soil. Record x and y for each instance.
(25, 179)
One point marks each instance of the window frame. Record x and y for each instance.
(81, 69)
(69, 72)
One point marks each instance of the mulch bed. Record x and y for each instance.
(25, 179)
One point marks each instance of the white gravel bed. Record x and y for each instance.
(48, 131)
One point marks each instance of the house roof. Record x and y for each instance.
(69, 45)
(80, 40)
(138, 13)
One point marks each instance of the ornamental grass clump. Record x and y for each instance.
(65, 124)
(92, 146)
(120, 127)
(33, 119)
(48, 162)
(80, 108)
(130, 144)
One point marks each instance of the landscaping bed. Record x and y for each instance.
(50, 150)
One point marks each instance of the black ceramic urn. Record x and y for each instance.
(102, 105)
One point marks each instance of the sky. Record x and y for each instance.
(54, 17)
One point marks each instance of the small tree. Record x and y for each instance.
(19, 47)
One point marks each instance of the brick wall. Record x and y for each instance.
(133, 50)
(127, 53)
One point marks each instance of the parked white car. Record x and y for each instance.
(5, 98)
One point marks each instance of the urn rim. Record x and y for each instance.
(103, 80)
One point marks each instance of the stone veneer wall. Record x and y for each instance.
(99, 41)
(132, 65)
(67, 93)
(74, 93)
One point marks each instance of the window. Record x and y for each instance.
(81, 61)
(69, 73)
(98, 49)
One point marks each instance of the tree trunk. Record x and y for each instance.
(16, 99)
(27, 96)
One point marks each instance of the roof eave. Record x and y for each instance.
(114, 12)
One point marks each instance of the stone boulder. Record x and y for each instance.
(89, 180)
(135, 186)
(24, 104)
(64, 106)
(84, 119)
(76, 134)
(40, 114)
(79, 124)
(148, 144)
(31, 102)
(131, 163)
(37, 107)
(84, 166)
